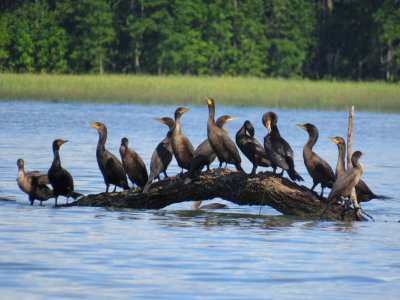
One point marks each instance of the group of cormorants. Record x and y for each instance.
(275, 153)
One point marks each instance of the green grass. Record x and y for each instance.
(184, 90)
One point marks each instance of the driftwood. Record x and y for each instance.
(263, 188)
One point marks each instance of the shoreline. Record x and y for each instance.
(275, 93)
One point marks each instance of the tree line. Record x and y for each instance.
(333, 39)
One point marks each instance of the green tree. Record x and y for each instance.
(388, 37)
(89, 25)
(289, 31)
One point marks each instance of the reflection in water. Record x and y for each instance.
(179, 253)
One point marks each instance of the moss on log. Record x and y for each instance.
(264, 188)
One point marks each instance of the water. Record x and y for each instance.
(176, 253)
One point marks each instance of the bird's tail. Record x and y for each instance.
(293, 174)
(382, 197)
(75, 195)
(148, 184)
(239, 167)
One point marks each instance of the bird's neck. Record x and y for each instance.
(56, 161)
(177, 127)
(358, 165)
(312, 139)
(211, 114)
(275, 131)
(340, 167)
(101, 145)
(21, 172)
(196, 204)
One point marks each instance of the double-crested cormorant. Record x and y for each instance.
(181, 145)
(33, 183)
(60, 179)
(250, 147)
(162, 155)
(196, 205)
(319, 170)
(110, 166)
(345, 182)
(133, 164)
(277, 149)
(204, 155)
(363, 192)
(220, 142)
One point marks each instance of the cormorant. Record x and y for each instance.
(34, 184)
(60, 179)
(319, 170)
(277, 149)
(345, 182)
(162, 155)
(220, 142)
(204, 155)
(196, 205)
(250, 147)
(110, 166)
(181, 145)
(133, 164)
(363, 191)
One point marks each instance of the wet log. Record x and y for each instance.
(263, 188)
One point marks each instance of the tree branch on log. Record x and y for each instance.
(264, 188)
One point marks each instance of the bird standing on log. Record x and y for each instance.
(181, 145)
(250, 147)
(204, 155)
(162, 155)
(346, 182)
(33, 183)
(220, 142)
(60, 179)
(133, 164)
(363, 192)
(277, 149)
(319, 170)
(109, 165)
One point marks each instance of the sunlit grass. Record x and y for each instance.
(183, 90)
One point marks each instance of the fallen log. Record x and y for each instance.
(263, 188)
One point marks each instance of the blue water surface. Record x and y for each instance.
(176, 253)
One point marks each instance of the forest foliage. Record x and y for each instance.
(333, 39)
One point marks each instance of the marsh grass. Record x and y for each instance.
(183, 90)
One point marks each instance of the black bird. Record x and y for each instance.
(345, 182)
(133, 164)
(181, 145)
(204, 155)
(220, 142)
(319, 170)
(60, 179)
(109, 165)
(34, 184)
(363, 191)
(277, 149)
(250, 147)
(196, 205)
(162, 155)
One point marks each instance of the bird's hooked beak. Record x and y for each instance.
(333, 139)
(94, 125)
(159, 120)
(185, 110)
(268, 125)
(302, 126)
(230, 119)
(209, 101)
(60, 142)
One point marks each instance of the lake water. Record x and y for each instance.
(176, 253)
